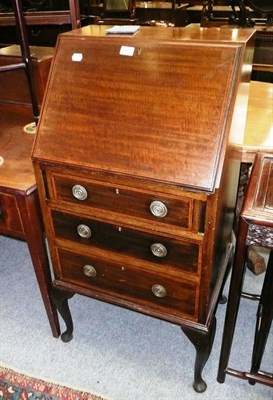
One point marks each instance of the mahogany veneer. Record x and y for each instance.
(135, 172)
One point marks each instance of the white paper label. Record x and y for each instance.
(77, 57)
(127, 51)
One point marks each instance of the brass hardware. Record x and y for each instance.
(84, 231)
(79, 192)
(159, 250)
(158, 209)
(159, 290)
(89, 271)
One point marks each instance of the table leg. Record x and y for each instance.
(264, 318)
(34, 235)
(233, 299)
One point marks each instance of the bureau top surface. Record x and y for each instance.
(156, 105)
(192, 32)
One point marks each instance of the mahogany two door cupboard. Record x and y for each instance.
(135, 170)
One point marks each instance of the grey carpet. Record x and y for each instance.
(115, 353)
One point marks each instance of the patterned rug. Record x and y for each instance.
(15, 386)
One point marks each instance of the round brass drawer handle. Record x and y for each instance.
(79, 192)
(84, 231)
(89, 271)
(159, 250)
(158, 209)
(159, 290)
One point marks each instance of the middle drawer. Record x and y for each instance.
(149, 247)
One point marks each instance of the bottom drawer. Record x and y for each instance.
(147, 289)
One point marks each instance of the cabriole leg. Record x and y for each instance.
(202, 342)
(60, 298)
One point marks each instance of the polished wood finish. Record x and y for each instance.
(255, 228)
(20, 215)
(70, 16)
(221, 16)
(13, 84)
(152, 126)
(259, 124)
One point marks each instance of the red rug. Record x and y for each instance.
(15, 386)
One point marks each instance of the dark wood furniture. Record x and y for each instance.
(20, 215)
(13, 84)
(239, 12)
(205, 12)
(25, 63)
(42, 27)
(165, 12)
(255, 228)
(118, 12)
(149, 13)
(135, 171)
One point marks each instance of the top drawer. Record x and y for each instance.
(135, 202)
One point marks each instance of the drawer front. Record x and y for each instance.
(159, 208)
(10, 221)
(148, 290)
(148, 247)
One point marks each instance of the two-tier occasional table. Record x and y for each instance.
(255, 228)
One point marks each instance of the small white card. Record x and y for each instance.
(77, 57)
(127, 51)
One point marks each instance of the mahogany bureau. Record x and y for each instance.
(135, 171)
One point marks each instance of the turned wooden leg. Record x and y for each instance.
(202, 341)
(60, 298)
